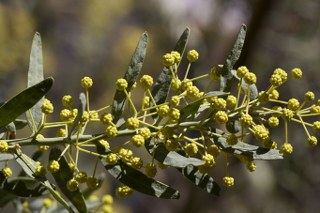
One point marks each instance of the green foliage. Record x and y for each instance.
(62, 177)
(177, 124)
(19, 104)
(130, 76)
(136, 179)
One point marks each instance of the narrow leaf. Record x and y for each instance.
(23, 101)
(170, 158)
(203, 181)
(131, 76)
(28, 165)
(22, 186)
(226, 75)
(174, 159)
(161, 88)
(6, 157)
(62, 177)
(136, 179)
(248, 150)
(35, 75)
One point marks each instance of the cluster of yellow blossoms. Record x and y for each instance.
(187, 122)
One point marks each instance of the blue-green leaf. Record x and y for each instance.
(226, 75)
(6, 157)
(35, 75)
(22, 186)
(136, 179)
(131, 76)
(28, 165)
(203, 181)
(23, 101)
(170, 158)
(251, 151)
(62, 177)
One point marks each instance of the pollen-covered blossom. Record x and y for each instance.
(67, 101)
(104, 143)
(246, 120)
(177, 56)
(231, 101)
(316, 126)
(86, 82)
(66, 115)
(312, 141)
(192, 56)
(146, 82)
(217, 103)
(228, 181)
(296, 73)
(242, 71)
(186, 83)
(175, 101)
(273, 121)
(40, 171)
(174, 114)
(123, 191)
(282, 73)
(111, 131)
(145, 132)
(286, 148)
(287, 114)
(251, 166)
(137, 140)
(250, 78)
(175, 83)
(276, 80)
(47, 107)
(106, 118)
(111, 158)
(125, 154)
(309, 96)
(163, 110)
(168, 60)
(191, 149)
(209, 160)
(260, 132)
(132, 123)
(136, 162)
(4, 146)
(7, 172)
(293, 104)
(213, 150)
(221, 117)
(121, 84)
(53, 166)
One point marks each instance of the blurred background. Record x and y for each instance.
(96, 38)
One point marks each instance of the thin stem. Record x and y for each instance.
(187, 71)
(131, 103)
